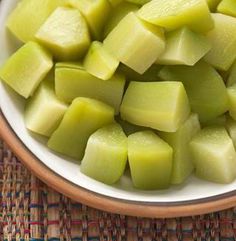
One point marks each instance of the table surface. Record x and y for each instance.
(30, 210)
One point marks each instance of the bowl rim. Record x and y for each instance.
(108, 204)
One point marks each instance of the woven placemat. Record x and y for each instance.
(30, 210)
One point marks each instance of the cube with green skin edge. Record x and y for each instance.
(171, 15)
(26, 68)
(227, 7)
(65, 33)
(24, 23)
(44, 111)
(232, 101)
(212, 4)
(117, 14)
(214, 155)
(128, 43)
(203, 84)
(230, 125)
(106, 154)
(150, 160)
(184, 47)
(83, 117)
(231, 75)
(96, 13)
(99, 62)
(223, 42)
(160, 105)
(72, 80)
(179, 141)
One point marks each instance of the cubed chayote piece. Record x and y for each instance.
(99, 62)
(25, 20)
(26, 68)
(231, 128)
(179, 141)
(227, 7)
(203, 84)
(117, 14)
(74, 81)
(106, 154)
(128, 43)
(231, 75)
(174, 14)
(150, 160)
(83, 117)
(214, 155)
(65, 33)
(44, 111)
(212, 4)
(219, 120)
(160, 105)
(138, 2)
(184, 47)
(232, 101)
(223, 42)
(96, 13)
(148, 76)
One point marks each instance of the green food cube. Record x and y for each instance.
(25, 20)
(150, 160)
(96, 13)
(83, 117)
(227, 7)
(73, 81)
(232, 101)
(44, 111)
(213, 4)
(203, 84)
(184, 47)
(128, 43)
(65, 33)
(26, 68)
(214, 155)
(174, 14)
(106, 154)
(117, 14)
(99, 62)
(160, 105)
(223, 42)
(231, 78)
(179, 141)
(148, 76)
(231, 128)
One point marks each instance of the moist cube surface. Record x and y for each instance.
(99, 62)
(223, 42)
(174, 14)
(160, 105)
(25, 20)
(73, 81)
(150, 160)
(96, 13)
(44, 111)
(214, 155)
(65, 33)
(128, 43)
(184, 47)
(106, 154)
(83, 117)
(203, 84)
(26, 68)
(227, 7)
(179, 141)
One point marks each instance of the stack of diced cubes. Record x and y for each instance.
(151, 83)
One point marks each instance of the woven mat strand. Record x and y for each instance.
(29, 210)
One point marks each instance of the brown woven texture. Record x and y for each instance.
(30, 210)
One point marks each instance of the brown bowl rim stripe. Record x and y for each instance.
(113, 205)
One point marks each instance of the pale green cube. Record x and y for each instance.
(106, 154)
(227, 7)
(26, 68)
(213, 4)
